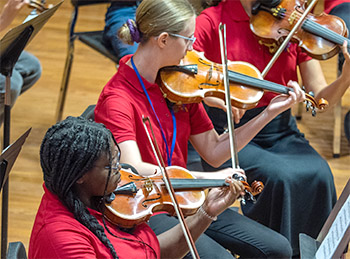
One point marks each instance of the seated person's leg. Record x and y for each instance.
(299, 187)
(248, 238)
(207, 248)
(116, 16)
(343, 11)
(30, 69)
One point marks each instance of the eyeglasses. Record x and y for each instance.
(116, 167)
(191, 40)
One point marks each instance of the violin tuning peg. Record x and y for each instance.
(307, 106)
(312, 94)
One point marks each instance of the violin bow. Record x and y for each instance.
(170, 188)
(231, 127)
(287, 39)
(223, 49)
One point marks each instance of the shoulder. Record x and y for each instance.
(60, 236)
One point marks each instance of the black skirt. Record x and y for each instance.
(299, 189)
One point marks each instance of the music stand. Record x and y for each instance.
(11, 46)
(334, 235)
(9, 156)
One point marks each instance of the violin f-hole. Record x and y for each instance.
(150, 200)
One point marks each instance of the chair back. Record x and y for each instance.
(90, 2)
(77, 3)
(16, 250)
(89, 112)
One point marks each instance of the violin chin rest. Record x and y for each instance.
(127, 166)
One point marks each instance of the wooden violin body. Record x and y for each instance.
(146, 195)
(205, 78)
(319, 35)
(138, 197)
(196, 78)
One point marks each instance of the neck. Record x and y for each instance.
(247, 5)
(147, 63)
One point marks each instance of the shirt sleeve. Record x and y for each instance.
(203, 32)
(302, 56)
(115, 113)
(200, 121)
(63, 243)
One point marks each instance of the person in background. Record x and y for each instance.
(116, 15)
(80, 163)
(27, 69)
(164, 30)
(341, 8)
(279, 155)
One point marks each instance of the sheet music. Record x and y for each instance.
(37, 22)
(32, 15)
(335, 233)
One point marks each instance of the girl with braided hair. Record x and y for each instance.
(80, 162)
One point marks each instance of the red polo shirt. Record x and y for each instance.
(330, 4)
(57, 234)
(242, 45)
(122, 104)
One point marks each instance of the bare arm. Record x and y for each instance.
(9, 12)
(215, 149)
(314, 80)
(173, 243)
(130, 154)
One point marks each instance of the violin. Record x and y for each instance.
(320, 36)
(39, 5)
(196, 78)
(138, 197)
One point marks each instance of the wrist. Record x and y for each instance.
(206, 214)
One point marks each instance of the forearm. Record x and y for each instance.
(243, 135)
(334, 92)
(173, 243)
(249, 130)
(130, 154)
(8, 14)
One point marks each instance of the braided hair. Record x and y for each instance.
(70, 149)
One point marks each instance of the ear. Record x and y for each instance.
(81, 179)
(163, 39)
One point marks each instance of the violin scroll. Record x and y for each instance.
(39, 5)
(256, 187)
(312, 104)
(250, 191)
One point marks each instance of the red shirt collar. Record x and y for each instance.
(125, 71)
(235, 10)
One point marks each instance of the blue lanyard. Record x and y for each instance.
(169, 154)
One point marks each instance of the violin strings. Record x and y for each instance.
(317, 29)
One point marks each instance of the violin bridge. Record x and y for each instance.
(292, 18)
(148, 185)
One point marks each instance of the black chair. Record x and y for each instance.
(16, 250)
(89, 112)
(91, 38)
